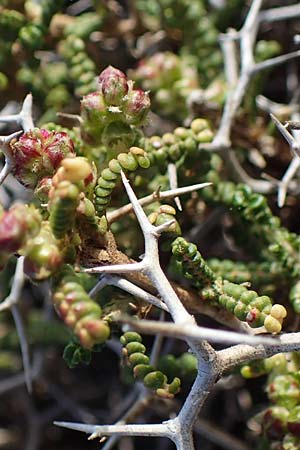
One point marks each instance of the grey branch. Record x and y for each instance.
(196, 333)
(280, 13)
(128, 286)
(233, 356)
(295, 147)
(96, 431)
(17, 286)
(159, 195)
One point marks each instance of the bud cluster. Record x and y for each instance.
(31, 35)
(38, 154)
(110, 114)
(195, 27)
(281, 421)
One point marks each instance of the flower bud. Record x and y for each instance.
(57, 146)
(137, 107)
(93, 106)
(113, 85)
(94, 116)
(12, 231)
(38, 153)
(78, 171)
(18, 225)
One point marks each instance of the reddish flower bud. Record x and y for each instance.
(38, 153)
(57, 147)
(92, 106)
(137, 107)
(113, 85)
(11, 232)
(94, 117)
(17, 225)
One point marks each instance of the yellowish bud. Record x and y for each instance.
(272, 325)
(137, 151)
(76, 169)
(278, 312)
(167, 209)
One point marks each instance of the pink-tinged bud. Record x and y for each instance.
(57, 147)
(113, 85)
(79, 171)
(137, 107)
(94, 115)
(17, 225)
(93, 106)
(38, 153)
(11, 232)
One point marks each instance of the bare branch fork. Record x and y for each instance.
(238, 83)
(291, 109)
(246, 36)
(128, 286)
